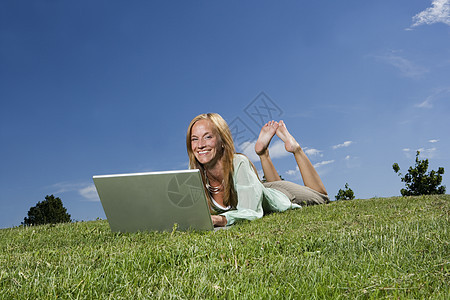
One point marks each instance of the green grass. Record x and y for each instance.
(376, 248)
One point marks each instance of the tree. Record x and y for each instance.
(51, 210)
(346, 194)
(417, 182)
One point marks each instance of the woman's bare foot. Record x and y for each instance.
(290, 143)
(265, 136)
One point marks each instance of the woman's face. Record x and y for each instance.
(205, 143)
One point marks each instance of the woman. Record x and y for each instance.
(231, 181)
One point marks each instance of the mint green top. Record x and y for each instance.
(253, 197)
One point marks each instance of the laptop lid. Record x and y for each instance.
(154, 201)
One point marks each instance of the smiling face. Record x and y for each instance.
(205, 143)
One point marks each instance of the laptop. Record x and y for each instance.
(154, 201)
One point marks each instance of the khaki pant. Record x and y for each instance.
(298, 194)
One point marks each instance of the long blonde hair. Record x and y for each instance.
(221, 128)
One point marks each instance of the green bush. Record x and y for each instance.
(49, 211)
(418, 182)
(346, 194)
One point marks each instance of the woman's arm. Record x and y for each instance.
(219, 221)
(249, 192)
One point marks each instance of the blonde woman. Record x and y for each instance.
(231, 181)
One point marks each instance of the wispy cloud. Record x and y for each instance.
(86, 190)
(89, 193)
(248, 149)
(424, 152)
(312, 152)
(64, 187)
(406, 67)
(296, 172)
(291, 172)
(436, 95)
(433, 141)
(439, 12)
(344, 144)
(425, 104)
(428, 152)
(323, 163)
(352, 162)
(407, 152)
(276, 150)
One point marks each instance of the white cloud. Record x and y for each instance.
(323, 163)
(439, 12)
(86, 190)
(425, 104)
(89, 192)
(424, 152)
(344, 144)
(407, 152)
(248, 149)
(312, 152)
(294, 172)
(438, 94)
(352, 162)
(405, 66)
(433, 141)
(64, 187)
(276, 150)
(291, 172)
(427, 153)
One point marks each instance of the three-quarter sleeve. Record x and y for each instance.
(249, 192)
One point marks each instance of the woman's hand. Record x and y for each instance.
(219, 221)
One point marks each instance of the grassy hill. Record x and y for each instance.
(376, 248)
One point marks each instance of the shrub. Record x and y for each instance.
(418, 182)
(51, 210)
(346, 194)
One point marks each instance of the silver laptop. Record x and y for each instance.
(154, 201)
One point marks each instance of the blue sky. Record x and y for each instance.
(100, 87)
